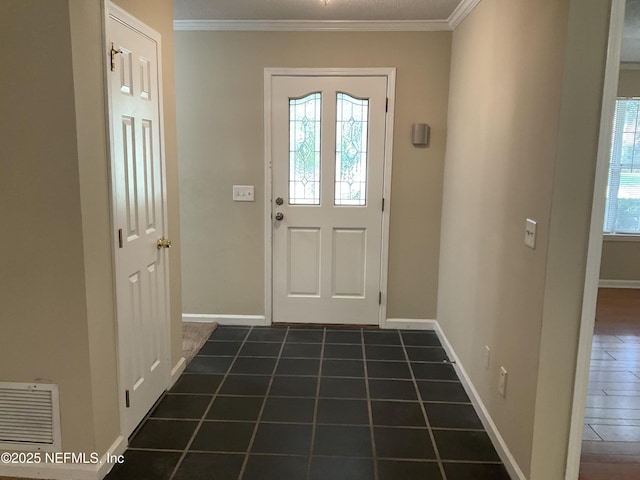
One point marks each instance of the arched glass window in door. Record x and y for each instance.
(352, 130)
(304, 150)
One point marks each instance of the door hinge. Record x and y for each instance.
(112, 53)
(379, 298)
(383, 204)
(126, 399)
(386, 105)
(120, 238)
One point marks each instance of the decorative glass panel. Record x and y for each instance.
(352, 129)
(304, 150)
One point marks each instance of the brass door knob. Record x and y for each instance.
(163, 243)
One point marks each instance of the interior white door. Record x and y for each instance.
(328, 138)
(139, 204)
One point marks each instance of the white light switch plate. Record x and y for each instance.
(530, 234)
(243, 193)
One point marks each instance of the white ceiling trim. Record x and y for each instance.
(464, 8)
(312, 25)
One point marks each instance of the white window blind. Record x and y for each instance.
(622, 214)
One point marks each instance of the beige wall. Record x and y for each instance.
(620, 258)
(573, 184)
(220, 130)
(629, 83)
(515, 95)
(88, 76)
(56, 287)
(43, 307)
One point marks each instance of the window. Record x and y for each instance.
(304, 150)
(622, 214)
(352, 129)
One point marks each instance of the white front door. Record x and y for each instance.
(328, 135)
(139, 205)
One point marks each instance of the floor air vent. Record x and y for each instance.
(29, 417)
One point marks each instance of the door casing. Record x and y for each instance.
(113, 10)
(594, 252)
(269, 74)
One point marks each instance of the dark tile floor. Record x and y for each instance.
(288, 403)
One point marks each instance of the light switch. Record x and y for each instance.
(530, 234)
(243, 193)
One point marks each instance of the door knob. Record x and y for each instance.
(163, 243)
(279, 201)
(279, 216)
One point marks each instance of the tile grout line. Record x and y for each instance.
(374, 453)
(304, 455)
(329, 424)
(424, 411)
(315, 407)
(264, 403)
(204, 415)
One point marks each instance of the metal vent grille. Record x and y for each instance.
(29, 416)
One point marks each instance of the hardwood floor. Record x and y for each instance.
(611, 441)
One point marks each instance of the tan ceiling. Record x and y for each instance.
(313, 9)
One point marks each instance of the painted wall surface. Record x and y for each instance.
(43, 304)
(56, 288)
(569, 227)
(505, 163)
(87, 47)
(219, 81)
(629, 83)
(621, 258)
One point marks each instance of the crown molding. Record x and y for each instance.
(464, 8)
(313, 25)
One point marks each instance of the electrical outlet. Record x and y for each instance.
(502, 386)
(487, 357)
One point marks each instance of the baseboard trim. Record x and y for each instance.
(498, 442)
(177, 370)
(221, 319)
(619, 284)
(67, 471)
(409, 324)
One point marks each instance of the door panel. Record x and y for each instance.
(349, 262)
(327, 167)
(138, 191)
(304, 262)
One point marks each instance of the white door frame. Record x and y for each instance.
(269, 73)
(594, 252)
(121, 15)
